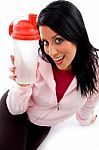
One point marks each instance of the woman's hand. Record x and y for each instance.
(13, 70)
(93, 119)
(86, 122)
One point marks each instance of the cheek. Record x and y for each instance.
(73, 53)
(70, 54)
(72, 50)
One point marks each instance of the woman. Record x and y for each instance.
(67, 81)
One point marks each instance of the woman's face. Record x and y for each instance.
(59, 49)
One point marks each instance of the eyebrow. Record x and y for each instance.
(53, 36)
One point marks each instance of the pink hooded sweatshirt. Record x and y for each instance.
(40, 101)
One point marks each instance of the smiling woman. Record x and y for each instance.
(67, 81)
(67, 22)
(58, 48)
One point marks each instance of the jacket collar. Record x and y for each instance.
(72, 86)
(47, 73)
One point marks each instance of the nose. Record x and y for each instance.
(52, 51)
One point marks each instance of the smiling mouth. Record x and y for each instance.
(59, 60)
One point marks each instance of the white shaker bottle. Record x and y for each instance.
(25, 43)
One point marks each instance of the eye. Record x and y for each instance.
(45, 43)
(58, 40)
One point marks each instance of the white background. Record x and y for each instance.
(69, 134)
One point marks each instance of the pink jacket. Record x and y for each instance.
(40, 102)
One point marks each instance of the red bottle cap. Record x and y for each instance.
(25, 29)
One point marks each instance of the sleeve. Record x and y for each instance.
(86, 113)
(18, 98)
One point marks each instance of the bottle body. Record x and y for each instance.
(26, 53)
(25, 37)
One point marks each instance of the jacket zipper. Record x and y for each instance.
(58, 107)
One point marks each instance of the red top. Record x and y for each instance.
(63, 79)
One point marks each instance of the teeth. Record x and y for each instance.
(56, 59)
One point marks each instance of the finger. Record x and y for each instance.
(93, 118)
(12, 59)
(13, 77)
(12, 69)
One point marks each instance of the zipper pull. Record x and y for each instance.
(58, 107)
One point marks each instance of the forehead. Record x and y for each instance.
(46, 32)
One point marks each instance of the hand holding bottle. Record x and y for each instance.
(13, 70)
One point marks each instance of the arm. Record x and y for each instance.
(18, 98)
(85, 115)
(19, 95)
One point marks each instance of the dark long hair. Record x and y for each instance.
(64, 18)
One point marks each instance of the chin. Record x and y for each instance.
(64, 67)
(61, 68)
